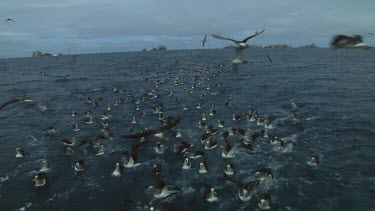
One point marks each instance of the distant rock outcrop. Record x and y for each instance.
(229, 46)
(160, 48)
(309, 46)
(39, 53)
(278, 46)
(255, 46)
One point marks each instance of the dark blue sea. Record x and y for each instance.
(332, 91)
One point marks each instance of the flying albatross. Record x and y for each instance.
(171, 122)
(9, 19)
(241, 44)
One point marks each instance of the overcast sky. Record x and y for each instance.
(89, 26)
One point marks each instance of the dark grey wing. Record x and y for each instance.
(237, 183)
(134, 150)
(269, 58)
(254, 35)
(10, 102)
(224, 38)
(65, 77)
(252, 185)
(204, 40)
(238, 52)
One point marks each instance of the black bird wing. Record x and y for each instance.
(171, 122)
(269, 58)
(224, 38)
(230, 179)
(254, 35)
(134, 150)
(251, 185)
(10, 102)
(204, 40)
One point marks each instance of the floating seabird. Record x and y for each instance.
(213, 110)
(69, 142)
(238, 61)
(157, 169)
(232, 131)
(75, 127)
(44, 167)
(266, 174)
(159, 148)
(51, 130)
(204, 117)
(203, 166)
(74, 114)
(269, 58)
(236, 117)
(202, 124)
(264, 133)
(205, 137)
(276, 140)
(210, 195)
(80, 166)
(100, 150)
(229, 169)
(244, 189)
(285, 147)
(269, 122)
(177, 134)
(40, 179)
(89, 120)
(118, 171)
(68, 151)
(210, 144)
(314, 160)
(265, 201)
(186, 164)
(133, 158)
(199, 106)
(261, 121)
(211, 130)
(20, 153)
(162, 190)
(221, 123)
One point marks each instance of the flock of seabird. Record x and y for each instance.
(216, 134)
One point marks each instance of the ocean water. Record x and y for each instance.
(334, 92)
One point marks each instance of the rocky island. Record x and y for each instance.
(39, 53)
